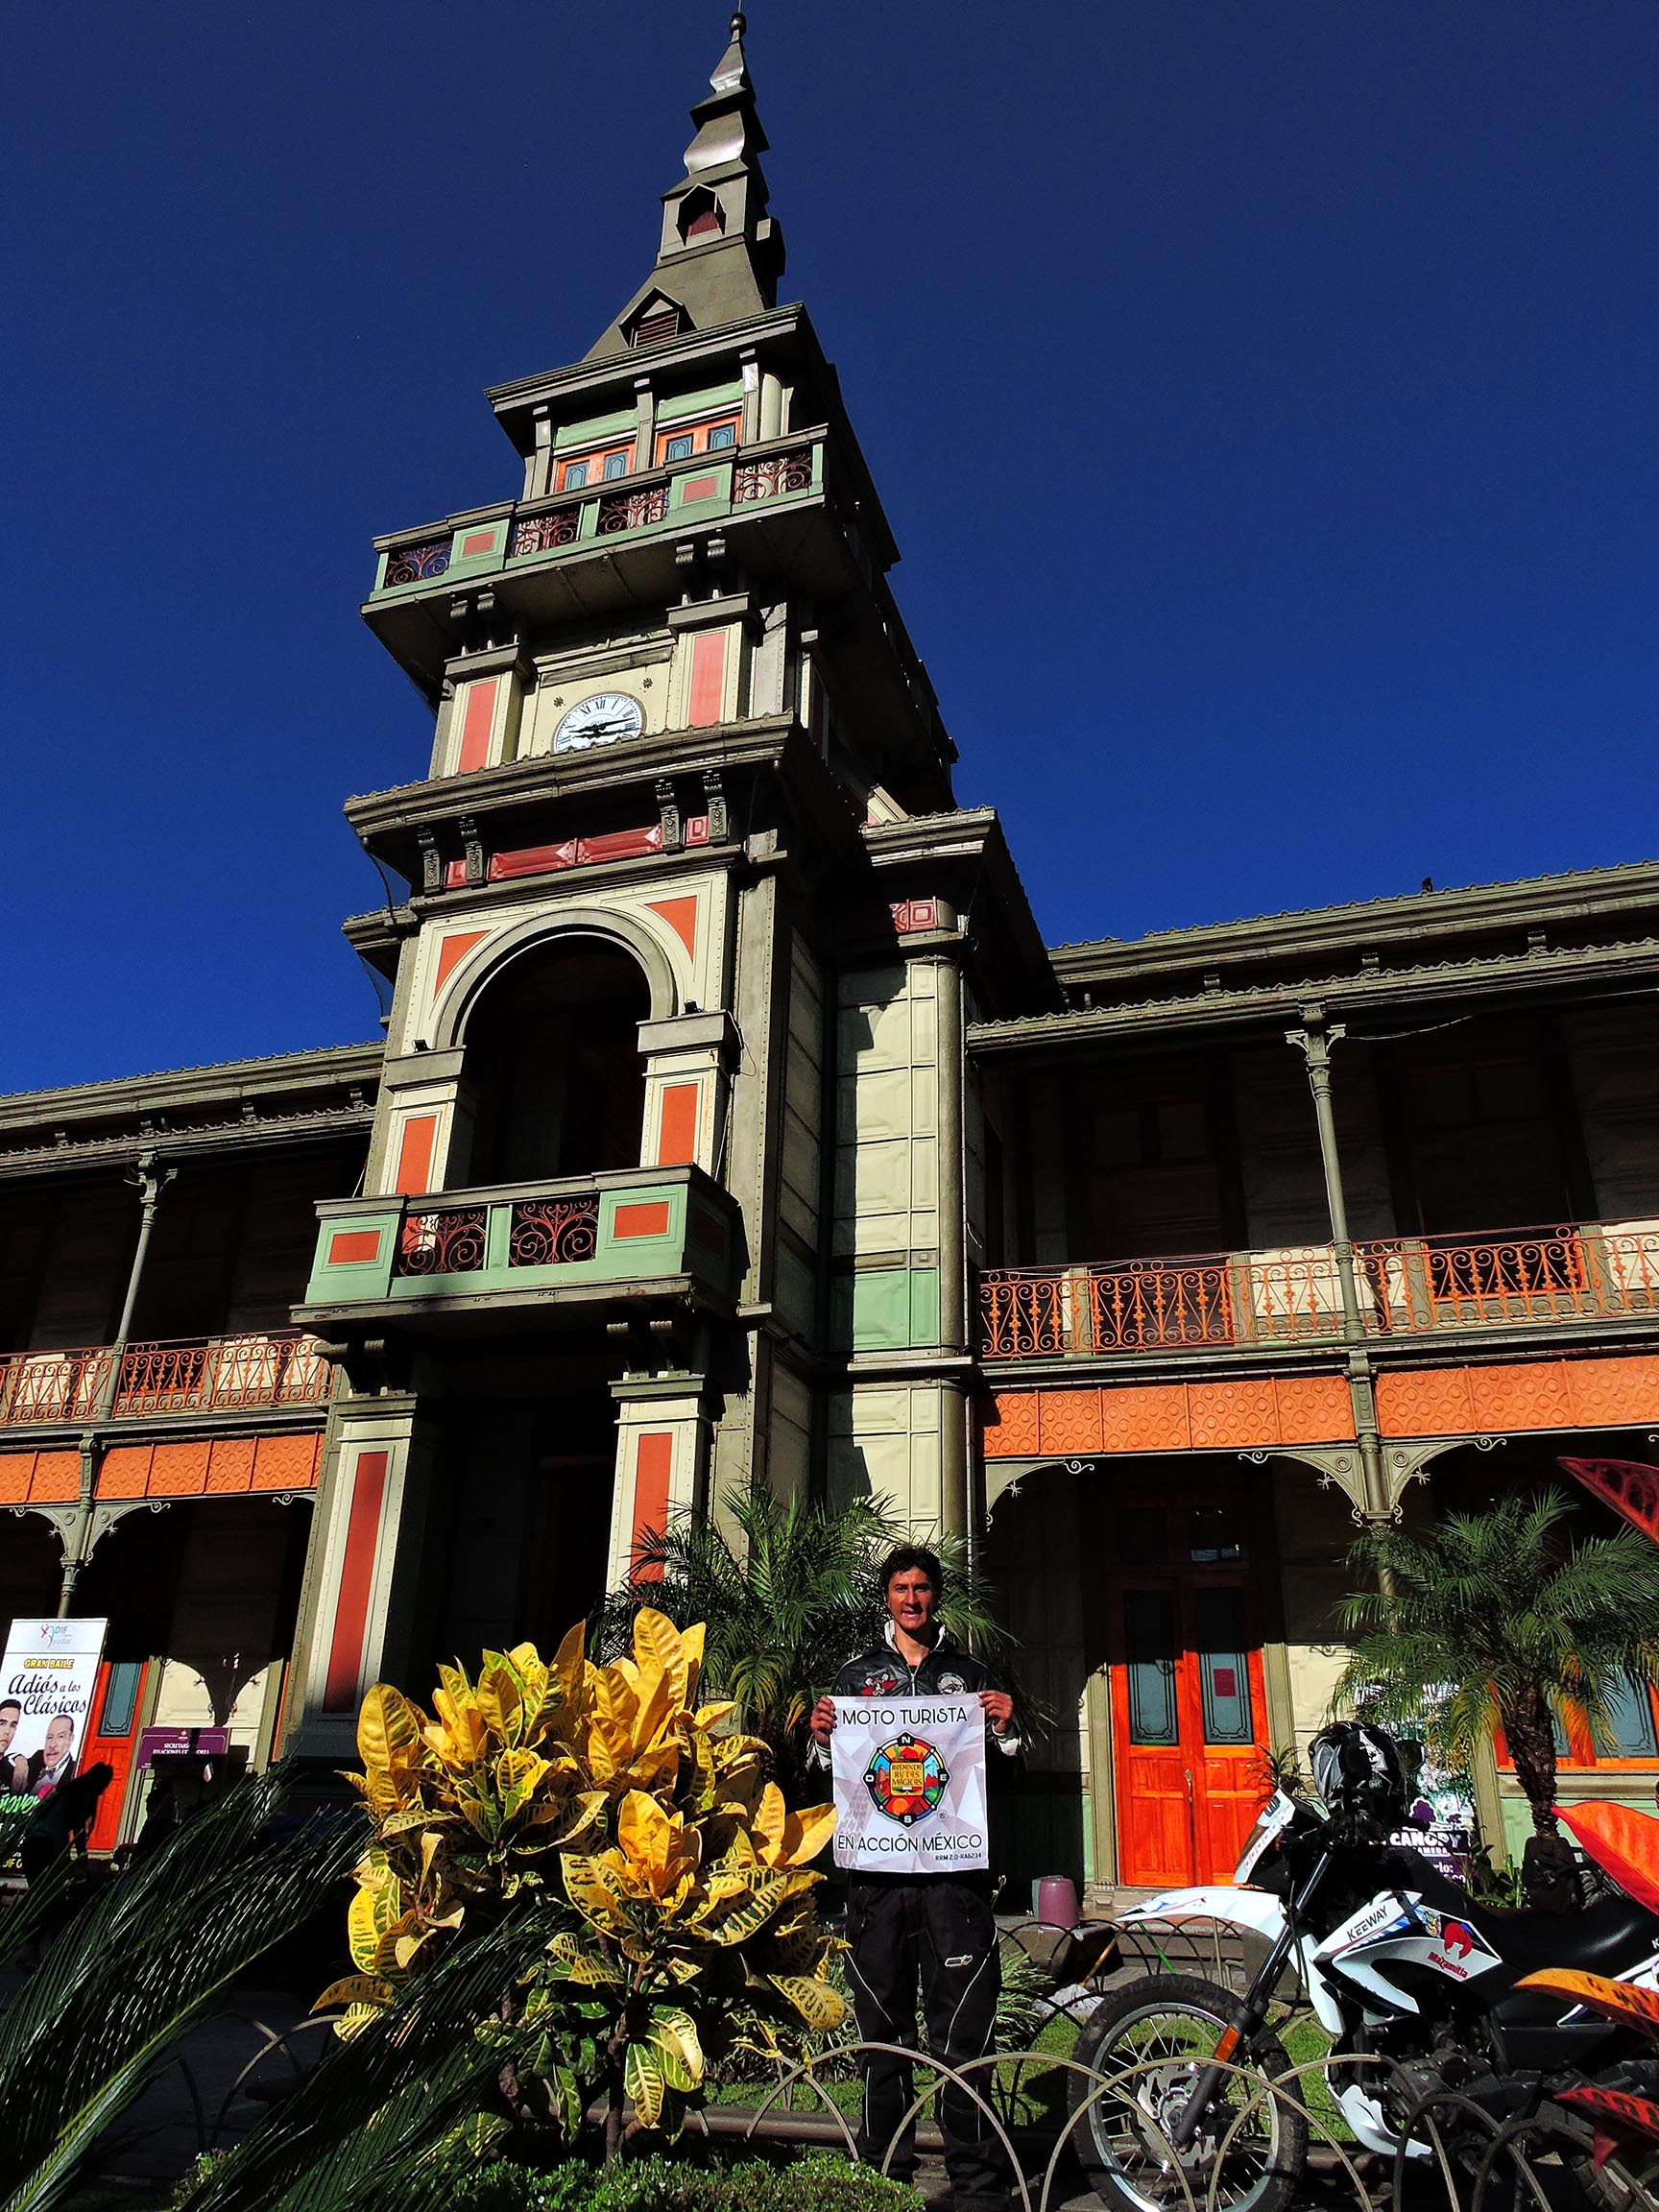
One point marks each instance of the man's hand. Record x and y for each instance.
(997, 1708)
(823, 1719)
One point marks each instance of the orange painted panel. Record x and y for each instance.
(643, 1220)
(677, 1141)
(701, 488)
(476, 720)
(1013, 1432)
(707, 678)
(357, 1580)
(1070, 1421)
(453, 950)
(479, 542)
(179, 1469)
(126, 1471)
(1531, 1397)
(39, 1477)
(653, 1466)
(286, 1462)
(1313, 1409)
(1232, 1416)
(1150, 1418)
(681, 916)
(1609, 1393)
(353, 1244)
(230, 1466)
(415, 1155)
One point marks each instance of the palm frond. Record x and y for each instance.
(137, 1967)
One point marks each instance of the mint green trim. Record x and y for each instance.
(695, 472)
(599, 430)
(477, 564)
(617, 1257)
(692, 403)
(888, 1310)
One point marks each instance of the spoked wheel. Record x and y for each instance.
(1163, 2031)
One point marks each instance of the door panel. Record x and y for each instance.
(1189, 1698)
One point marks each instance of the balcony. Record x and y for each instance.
(198, 1375)
(1409, 1287)
(515, 543)
(634, 1232)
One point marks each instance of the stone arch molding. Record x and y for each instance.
(655, 952)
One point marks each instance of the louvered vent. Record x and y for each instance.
(654, 330)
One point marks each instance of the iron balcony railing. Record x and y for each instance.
(1407, 1286)
(704, 489)
(196, 1374)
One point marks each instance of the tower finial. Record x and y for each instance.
(721, 254)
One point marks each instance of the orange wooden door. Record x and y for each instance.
(113, 1737)
(1188, 1712)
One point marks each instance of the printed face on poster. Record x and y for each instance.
(910, 1785)
(47, 1682)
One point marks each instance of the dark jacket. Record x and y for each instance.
(882, 1672)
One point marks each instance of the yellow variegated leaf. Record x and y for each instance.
(366, 1920)
(354, 2019)
(645, 1832)
(642, 2081)
(806, 1833)
(691, 1643)
(817, 2003)
(766, 1824)
(388, 1729)
(674, 2033)
(353, 1989)
(570, 1664)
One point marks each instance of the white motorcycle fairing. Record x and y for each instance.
(1256, 1912)
(1259, 1913)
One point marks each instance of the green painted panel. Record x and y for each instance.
(684, 404)
(596, 431)
(923, 1306)
(702, 471)
(887, 1308)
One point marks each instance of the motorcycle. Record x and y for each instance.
(1414, 1982)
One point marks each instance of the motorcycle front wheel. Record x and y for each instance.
(1148, 2044)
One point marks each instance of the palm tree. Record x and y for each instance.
(134, 1970)
(1498, 1619)
(790, 1592)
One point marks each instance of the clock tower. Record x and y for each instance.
(677, 1175)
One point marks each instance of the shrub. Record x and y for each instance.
(822, 2182)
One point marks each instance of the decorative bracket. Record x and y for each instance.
(715, 793)
(1339, 1466)
(669, 812)
(473, 845)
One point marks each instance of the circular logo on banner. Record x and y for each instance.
(907, 1779)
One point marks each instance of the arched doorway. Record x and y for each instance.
(553, 1064)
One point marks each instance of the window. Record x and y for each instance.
(718, 435)
(603, 465)
(1632, 1738)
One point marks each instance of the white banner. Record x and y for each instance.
(910, 1785)
(47, 1680)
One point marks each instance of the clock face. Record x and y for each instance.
(599, 721)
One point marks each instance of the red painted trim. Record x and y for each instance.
(415, 1155)
(707, 678)
(478, 541)
(643, 1220)
(677, 1135)
(476, 724)
(452, 952)
(357, 1580)
(531, 860)
(653, 1468)
(621, 844)
(701, 488)
(347, 1245)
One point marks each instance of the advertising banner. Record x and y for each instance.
(47, 1680)
(910, 1785)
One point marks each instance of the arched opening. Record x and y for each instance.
(554, 1065)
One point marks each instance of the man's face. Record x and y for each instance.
(60, 1735)
(8, 1718)
(910, 1601)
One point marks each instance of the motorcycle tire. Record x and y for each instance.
(1160, 2032)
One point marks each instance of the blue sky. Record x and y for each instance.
(1261, 395)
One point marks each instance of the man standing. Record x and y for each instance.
(932, 1932)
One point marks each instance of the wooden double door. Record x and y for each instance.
(1189, 1705)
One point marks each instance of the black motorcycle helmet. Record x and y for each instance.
(1360, 1768)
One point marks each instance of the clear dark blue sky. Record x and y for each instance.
(1261, 392)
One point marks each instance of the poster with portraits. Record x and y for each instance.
(909, 1784)
(47, 1682)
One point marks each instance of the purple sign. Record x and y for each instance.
(181, 1743)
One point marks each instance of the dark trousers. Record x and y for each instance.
(938, 1936)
